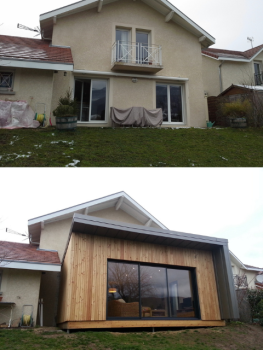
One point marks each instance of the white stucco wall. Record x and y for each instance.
(22, 288)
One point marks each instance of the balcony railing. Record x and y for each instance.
(259, 79)
(137, 54)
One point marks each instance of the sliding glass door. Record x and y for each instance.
(91, 95)
(141, 291)
(169, 98)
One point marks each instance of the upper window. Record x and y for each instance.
(169, 98)
(258, 74)
(6, 80)
(91, 96)
(137, 290)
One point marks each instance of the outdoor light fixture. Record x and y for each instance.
(112, 290)
(134, 80)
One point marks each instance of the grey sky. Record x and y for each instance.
(230, 22)
(224, 203)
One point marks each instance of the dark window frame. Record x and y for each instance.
(1, 278)
(196, 303)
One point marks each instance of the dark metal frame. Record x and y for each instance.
(196, 304)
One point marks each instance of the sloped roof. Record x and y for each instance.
(120, 200)
(246, 88)
(239, 263)
(162, 6)
(12, 251)
(233, 55)
(33, 50)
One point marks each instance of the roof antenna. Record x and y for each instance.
(17, 233)
(250, 39)
(36, 29)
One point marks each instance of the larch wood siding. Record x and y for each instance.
(84, 274)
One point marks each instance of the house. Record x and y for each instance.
(246, 276)
(22, 270)
(222, 68)
(110, 53)
(121, 267)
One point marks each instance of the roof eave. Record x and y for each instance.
(23, 63)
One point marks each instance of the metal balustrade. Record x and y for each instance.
(136, 53)
(259, 79)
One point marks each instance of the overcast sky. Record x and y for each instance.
(229, 21)
(223, 203)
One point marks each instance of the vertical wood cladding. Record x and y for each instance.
(84, 274)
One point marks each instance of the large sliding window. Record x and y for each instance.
(169, 98)
(91, 97)
(137, 290)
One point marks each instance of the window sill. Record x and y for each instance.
(7, 92)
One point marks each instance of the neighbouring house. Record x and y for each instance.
(222, 68)
(22, 275)
(246, 276)
(121, 267)
(119, 54)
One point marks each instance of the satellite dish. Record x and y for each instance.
(259, 278)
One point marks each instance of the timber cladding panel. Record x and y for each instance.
(83, 290)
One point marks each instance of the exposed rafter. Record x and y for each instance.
(100, 3)
(169, 16)
(119, 203)
(86, 211)
(54, 19)
(42, 225)
(148, 223)
(202, 38)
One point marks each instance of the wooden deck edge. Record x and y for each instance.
(138, 324)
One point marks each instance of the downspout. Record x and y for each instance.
(220, 76)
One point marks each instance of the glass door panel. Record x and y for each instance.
(142, 47)
(154, 301)
(176, 104)
(82, 96)
(123, 53)
(98, 100)
(180, 294)
(123, 290)
(161, 100)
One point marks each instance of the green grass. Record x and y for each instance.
(132, 147)
(230, 337)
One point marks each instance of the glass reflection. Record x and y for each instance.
(123, 290)
(180, 293)
(153, 291)
(162, 100)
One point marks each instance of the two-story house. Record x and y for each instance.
(109, 53)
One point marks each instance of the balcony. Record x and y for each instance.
(259, 79)
(136, 57)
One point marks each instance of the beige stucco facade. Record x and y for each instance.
(31, 85)
(22, 288)
(250, 274)
(91, 35)
(232, 72)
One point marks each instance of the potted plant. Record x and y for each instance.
(66, 112)
(237, 112)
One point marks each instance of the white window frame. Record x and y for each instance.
(5, 89)
(183, 122)
(106, 102)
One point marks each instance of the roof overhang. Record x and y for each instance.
(169, 11)
(239, 263)
(118, 200)
(8, 62)
(26, 265)
(115, 229)
(244, 60)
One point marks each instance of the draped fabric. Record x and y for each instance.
(137, 116)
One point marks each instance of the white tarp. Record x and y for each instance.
(16, 114)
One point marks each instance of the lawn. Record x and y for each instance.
(232, 337)
(132, 147)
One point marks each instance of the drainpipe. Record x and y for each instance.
(220, 76)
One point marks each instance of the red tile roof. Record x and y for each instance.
(26, 253)
(33, 49)
(216, 53)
